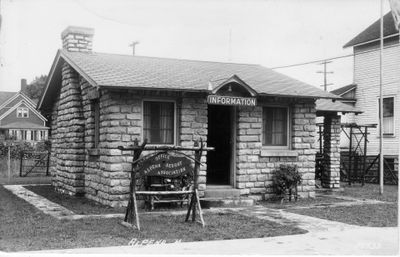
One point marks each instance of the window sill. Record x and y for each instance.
(94, 151)
(387, 136)
(278, 153)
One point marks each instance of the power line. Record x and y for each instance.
(311, 62)
(331, 58)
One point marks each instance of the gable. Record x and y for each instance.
(13, 100)
(372, 33)
(10, 116)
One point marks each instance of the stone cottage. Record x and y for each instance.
(255, 118)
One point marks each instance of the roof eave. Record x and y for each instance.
(110, 87)
(349, 44)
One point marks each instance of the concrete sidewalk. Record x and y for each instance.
(354, 241)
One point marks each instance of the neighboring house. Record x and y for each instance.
(19, 118)
(255, 118)
(366, 48)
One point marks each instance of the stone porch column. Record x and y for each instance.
(331, 175)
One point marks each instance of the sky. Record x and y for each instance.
(271, 33)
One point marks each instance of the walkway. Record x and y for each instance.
(356, 241)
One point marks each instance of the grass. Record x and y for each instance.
(318, 200)
(370, 191)
(372, 215)
(23, 227)
(79, 205)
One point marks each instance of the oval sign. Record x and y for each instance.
(165, 165)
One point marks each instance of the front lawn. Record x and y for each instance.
(371, 215)
(23, 227)
(370, 191)
(301, 202)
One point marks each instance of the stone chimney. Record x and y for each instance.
(77, 39)
(23, 85)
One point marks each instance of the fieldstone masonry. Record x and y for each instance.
(256, 163)
(77, 39)
(331, 174)
(69, 136)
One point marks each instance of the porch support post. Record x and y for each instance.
(331, 174)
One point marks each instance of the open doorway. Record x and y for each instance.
(220, 135)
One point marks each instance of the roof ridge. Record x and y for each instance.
(164, 58)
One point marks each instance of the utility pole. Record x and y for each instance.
(133, 45)
(230, 46)
(325, 85)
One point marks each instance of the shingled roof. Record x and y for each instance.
(342, 90)
(372, 33)
(126, 71)
(4, 96)
(326, 105)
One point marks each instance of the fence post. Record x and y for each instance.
(9, 163)
(48, 163)
(21, 162)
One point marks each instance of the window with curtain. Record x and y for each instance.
(275, 126)
(388, 116)
(158, 122)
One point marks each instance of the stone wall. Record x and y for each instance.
(107, 170)
(193, 127)
(68, 137)
(256, 163)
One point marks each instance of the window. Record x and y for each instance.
(388, 116)
(96, 108)
(43, 135)
(22, 112)
(158, 122)
(275, 126)
(23, 134)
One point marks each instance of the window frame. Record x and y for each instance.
(288, 145)
(394, 116)
(21, 110)
(96, 122)
(175, 136)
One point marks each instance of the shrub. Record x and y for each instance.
(285, 181)
(19, 147)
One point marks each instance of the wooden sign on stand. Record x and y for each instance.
(167, 162)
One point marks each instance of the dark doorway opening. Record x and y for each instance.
(219, 137)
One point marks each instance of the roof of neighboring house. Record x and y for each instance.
(372, 33)
(23, 125)
(343, 90)
(126, 71)
(4, 96)
(327, 105)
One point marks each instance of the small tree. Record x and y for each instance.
(285, 181)
(35, 89)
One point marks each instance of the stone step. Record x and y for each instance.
(221, 192)
(226, 202)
